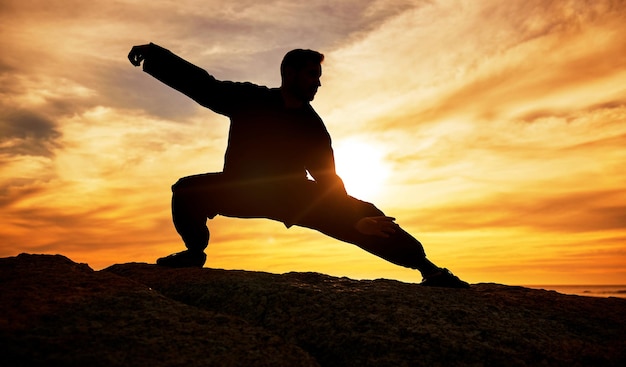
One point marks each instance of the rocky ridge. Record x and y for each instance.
(57, 312)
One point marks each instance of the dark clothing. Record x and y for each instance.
(270, 150)
(270, 147)
(199, 197)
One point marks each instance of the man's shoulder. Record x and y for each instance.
(257, 92)
(248, 86)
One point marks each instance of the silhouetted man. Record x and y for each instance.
(275, 138)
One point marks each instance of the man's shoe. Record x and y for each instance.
(184, 259)
(445, 279)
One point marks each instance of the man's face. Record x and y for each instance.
(304, 82)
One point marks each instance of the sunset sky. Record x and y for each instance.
(494, 131)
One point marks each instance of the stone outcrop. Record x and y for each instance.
(56, 312)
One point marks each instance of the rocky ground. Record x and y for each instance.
(54, 312)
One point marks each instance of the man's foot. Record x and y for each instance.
(184, 259)
(445, 279)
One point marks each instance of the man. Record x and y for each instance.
(275, 139)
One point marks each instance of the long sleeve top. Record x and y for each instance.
(268, 143)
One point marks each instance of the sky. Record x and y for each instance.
(494, 131)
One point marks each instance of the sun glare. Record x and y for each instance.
(362, 167)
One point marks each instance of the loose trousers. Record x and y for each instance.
(196, 198)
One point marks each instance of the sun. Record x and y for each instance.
(362, 167)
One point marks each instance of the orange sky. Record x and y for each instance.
(494, 131)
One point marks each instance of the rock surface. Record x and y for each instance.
(56, 312)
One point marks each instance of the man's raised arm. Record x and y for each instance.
(174, 71)
(220, 96)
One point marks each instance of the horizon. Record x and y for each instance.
(493, 131)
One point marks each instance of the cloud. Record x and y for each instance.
(535, 211)
(27, 133)
(447, 61)
(86, 43)
(229, 38)
(15, 190)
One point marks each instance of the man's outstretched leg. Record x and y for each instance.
(403, 249)
(399, 248)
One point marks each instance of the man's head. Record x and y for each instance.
(300, 71)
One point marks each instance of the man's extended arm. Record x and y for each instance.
(189, 79)
(172, 70)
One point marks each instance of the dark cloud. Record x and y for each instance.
(15, 190)
(121, 86)
(24, 132)
(252, 43)
(229, 41)
(282, 22)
